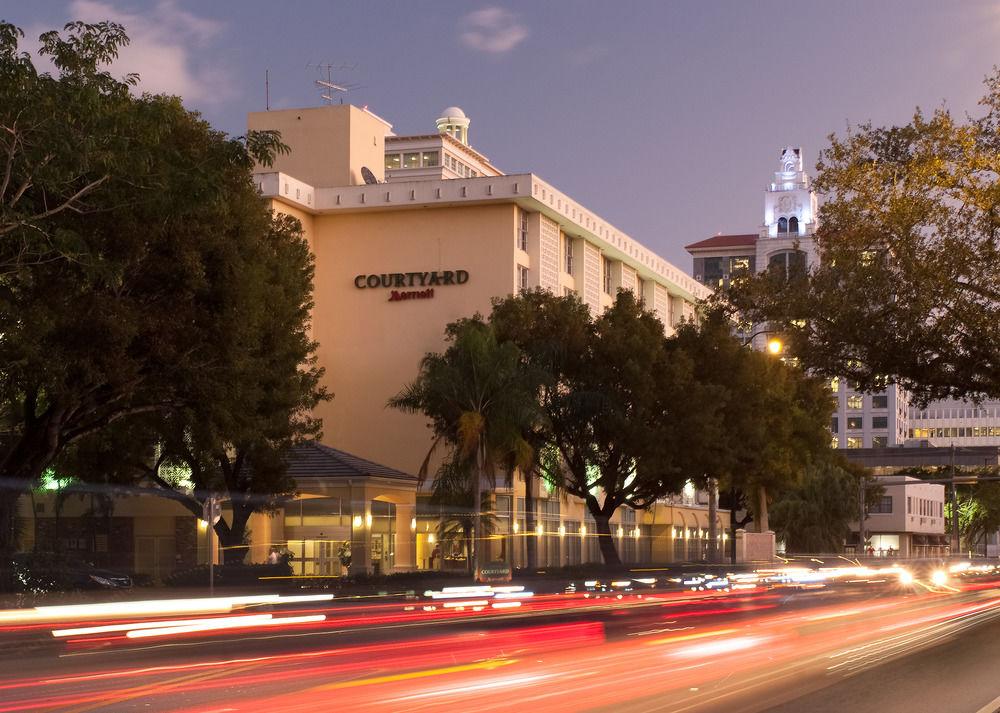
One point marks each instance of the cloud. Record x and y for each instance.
(492, 29)
(164, 49)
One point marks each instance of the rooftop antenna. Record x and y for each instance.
(330, 91)
(366, 173)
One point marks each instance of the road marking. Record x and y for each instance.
(480, 666)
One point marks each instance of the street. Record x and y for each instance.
(861, 644)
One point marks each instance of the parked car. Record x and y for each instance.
(46, 573)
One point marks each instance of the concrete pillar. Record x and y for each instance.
(405, 545)
(361, 541)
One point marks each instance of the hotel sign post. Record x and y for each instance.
(427, 281)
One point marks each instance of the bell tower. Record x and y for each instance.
(789, 201)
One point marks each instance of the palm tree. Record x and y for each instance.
(480, 398)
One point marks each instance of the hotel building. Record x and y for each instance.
(410, 233)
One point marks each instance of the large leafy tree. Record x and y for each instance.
(814, 515)
(121, 222)
(617, 404)
(908, 286)
(231, 434)
(480, 399)
(773, 418)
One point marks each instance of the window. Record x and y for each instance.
(793, 225)
(522, 232)
(411, 160)
(392, 160)
(568, 247)
(782, 226)
(855, 422)
(855, 442)
(880, 441)
(787, 262)
(712, 270)
(430, 158)
(739, 264)
(834, 425)
(835, 442)
(880, 401)
(522, 278)
(909, 505)
(835, 384)
(883, 506)
(855, 401)
(568, 291)
(607, 276)
(880, 422)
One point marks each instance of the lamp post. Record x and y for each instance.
(774, 347)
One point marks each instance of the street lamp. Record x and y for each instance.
(774, 347)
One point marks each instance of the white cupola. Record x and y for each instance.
(455, 123)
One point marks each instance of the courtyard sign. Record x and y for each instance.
(427, 280)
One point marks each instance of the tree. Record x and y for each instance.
(774, 418)
(814, 516)
(907, 288)
(480, 399)
(121, 219)
(979, 509)
(231, 435)
(616, 407)
(550, 333)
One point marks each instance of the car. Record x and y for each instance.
(46, 573)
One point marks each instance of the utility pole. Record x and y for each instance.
(861, 517)
(956, 544)
(713, 526)
(732, 526)
(211, 512)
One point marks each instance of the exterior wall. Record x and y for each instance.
(329, 144)
(371, 347)
(896, 413)
(915, 526)
(150, 536)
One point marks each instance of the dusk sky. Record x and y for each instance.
(665, 118)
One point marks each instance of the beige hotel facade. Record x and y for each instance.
(436, 233)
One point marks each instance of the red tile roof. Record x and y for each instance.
(724, 241)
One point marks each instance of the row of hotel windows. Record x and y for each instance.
(523, 284)
(859, 442)
(567, 242)
(427, 159)
(856, 423)
(964, 412)
(956, 432)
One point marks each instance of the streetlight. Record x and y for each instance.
(774, 347)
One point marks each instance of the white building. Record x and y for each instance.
(908, 521)
(960, 423)
(786, 238)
